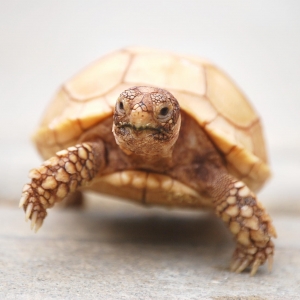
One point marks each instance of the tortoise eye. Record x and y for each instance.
(164, 111)
(120, 107)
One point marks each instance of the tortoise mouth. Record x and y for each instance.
(127, 131)
(141, 128)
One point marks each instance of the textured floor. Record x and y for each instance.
(115, 250)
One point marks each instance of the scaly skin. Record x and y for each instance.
(57, 177)
(247, 219)
(146, 126)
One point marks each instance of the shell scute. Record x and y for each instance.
(228, 99)
(168, 71)
(91, 110)
(203, 91)
(245, 139)
(197, 106)
(241, 159)
(99, 77)
(259, 148)
(113, 95)
(67, 130)
(222, 133)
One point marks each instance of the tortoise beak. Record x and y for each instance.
(140, 118)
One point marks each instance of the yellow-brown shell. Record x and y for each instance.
(202, 90)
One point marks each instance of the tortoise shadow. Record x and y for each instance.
(156, 236)
(163, 228)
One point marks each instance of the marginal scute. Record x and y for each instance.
(135, 178)
(67, 130)
(241, 159)
(44, 136)
(118, 184)
(245, 139)
(177, 194)
(139, 180)
(166, 183)
(48, 151)
(222, 133)
(259, 147)
(153, 182)
(258, 174)
(169, 192)
(125, 178)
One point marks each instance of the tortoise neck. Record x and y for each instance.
(155, 162)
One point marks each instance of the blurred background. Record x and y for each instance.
(43, 43)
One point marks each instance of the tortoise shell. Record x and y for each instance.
(204, 92)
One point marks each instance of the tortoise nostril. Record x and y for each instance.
(121, 106)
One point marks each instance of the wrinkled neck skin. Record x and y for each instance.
(147, 149)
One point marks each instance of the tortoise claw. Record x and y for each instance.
(270, 262)
(255, 266)
(243, 259)
(235, 264)
(36, 221)
(239, 264)
(38, 224)
(28, 211)
(244, 264)
(34, 211)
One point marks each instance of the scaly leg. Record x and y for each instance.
(248, 221)
(59, 176)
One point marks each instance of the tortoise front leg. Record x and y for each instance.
(59, 176)
(248, 221)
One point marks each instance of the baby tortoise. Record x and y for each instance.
(182, 135)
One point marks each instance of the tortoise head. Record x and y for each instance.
(146, 121)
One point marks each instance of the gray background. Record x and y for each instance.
(116, 250)
(257, 42)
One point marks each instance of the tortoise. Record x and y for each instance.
(161, 129)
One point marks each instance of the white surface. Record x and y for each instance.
(256, 42)
(118, 251)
